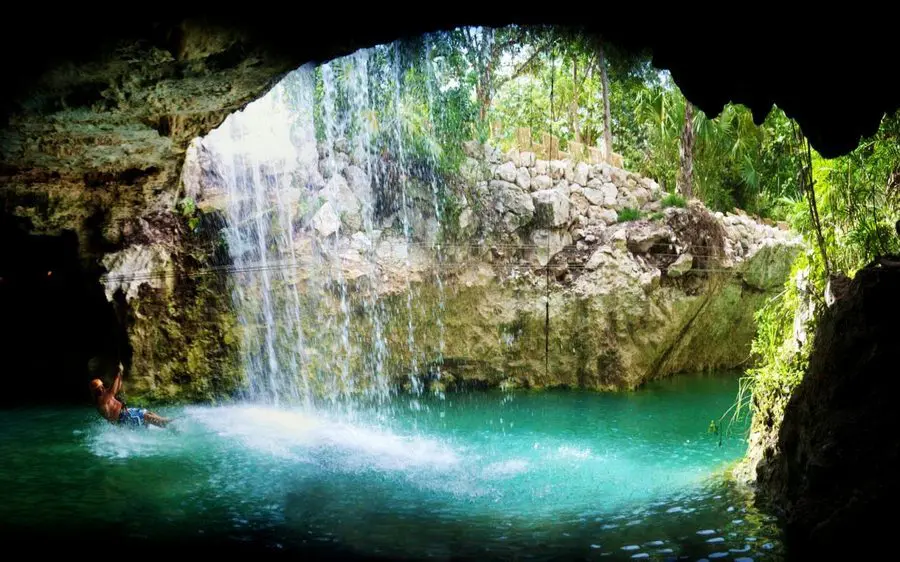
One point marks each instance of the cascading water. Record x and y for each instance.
(317, 179)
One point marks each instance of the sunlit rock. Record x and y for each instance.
(506, 172)
(551, 208)
(580, 175)
(541, 182)
(523, 178)
(137, 265)
(326, 221)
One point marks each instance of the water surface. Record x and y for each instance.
(484, 475)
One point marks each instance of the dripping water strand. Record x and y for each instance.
(430, 80)
(402, 178)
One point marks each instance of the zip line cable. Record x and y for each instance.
(290, 264)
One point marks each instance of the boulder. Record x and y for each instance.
(642, 194)
(581, 173)
(466, 217)
(472, 170)
(526, 159)
(343, 201)
(506, 172)
(326, 221)
(578, 203)
(649, 280)
(558, 169)
(610, 194)
(513, 156)
(606, 216)
(541, 167)
(603, 194)
(626, 200)
(602, 173)
(568, 170)
(680, 266)
(492, 154)
(541, 182)
(595, 196)
(643, 237)
(618, 175)
(512, 203)
(600, 257)
(652, 207)
(551, 208)
(523, 178)
(619, 240)
(312, 179)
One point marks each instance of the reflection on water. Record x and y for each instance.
(490, 475)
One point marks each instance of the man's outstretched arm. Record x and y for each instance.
(117, 383)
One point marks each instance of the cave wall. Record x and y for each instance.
(92, 152)
(57, 328)
(94, 145)
(829, 468)
(102, 107)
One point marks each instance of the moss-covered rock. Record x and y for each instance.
(182, 332)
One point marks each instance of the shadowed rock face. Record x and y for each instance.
(832, 471)
(101, 106)
(97, 143)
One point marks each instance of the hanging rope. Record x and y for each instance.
(807, 186)
(547, 268)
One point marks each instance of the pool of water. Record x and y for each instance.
(491, 475)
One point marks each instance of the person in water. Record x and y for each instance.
(115, 410)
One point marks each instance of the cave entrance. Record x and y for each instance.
(57, 326)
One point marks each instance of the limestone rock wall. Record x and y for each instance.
(629, 300)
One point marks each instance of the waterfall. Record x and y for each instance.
(324, 210)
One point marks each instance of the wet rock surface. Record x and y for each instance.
(638, 299)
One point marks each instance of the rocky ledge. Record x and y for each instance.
(638, 287)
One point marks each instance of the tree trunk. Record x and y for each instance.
(607, 120)
(685, 183)
(573, 106)
(486, 79)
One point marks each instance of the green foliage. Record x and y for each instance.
(779, 358)
(673, 200)
(187, 207)
(857, 201)
(629, 214)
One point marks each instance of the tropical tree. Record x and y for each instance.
(685, 184)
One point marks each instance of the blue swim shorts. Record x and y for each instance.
(132, 416)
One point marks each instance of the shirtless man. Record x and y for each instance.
(115, 411)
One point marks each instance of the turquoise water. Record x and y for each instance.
(484, 475)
